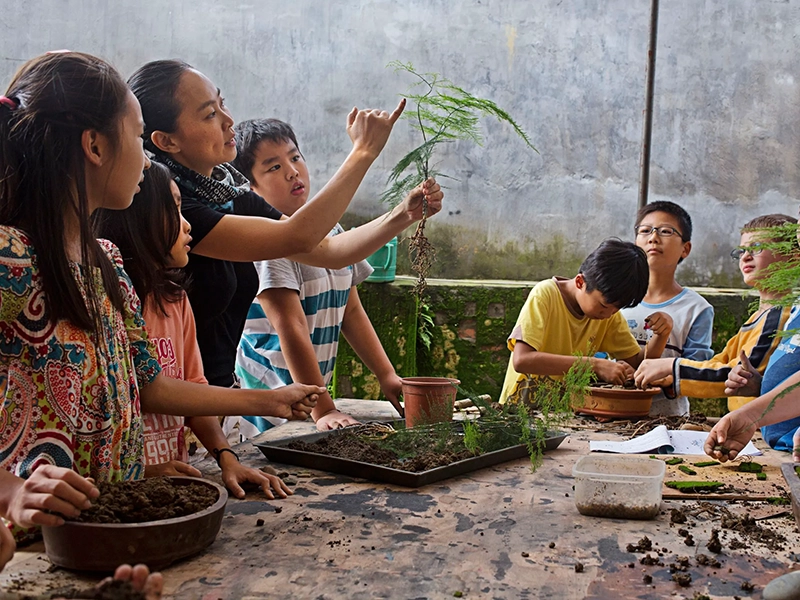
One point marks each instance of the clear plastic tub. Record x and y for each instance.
(618, 486)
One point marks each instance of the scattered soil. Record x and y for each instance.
(150, 499)
(643, 545)
(682, 579)
(112, 589)
(578, 567)
(707, 561)
(714, 544)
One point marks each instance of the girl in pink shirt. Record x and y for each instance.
(154, 239)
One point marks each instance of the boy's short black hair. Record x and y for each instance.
(250, 133)
(684, 220)
(619, 271)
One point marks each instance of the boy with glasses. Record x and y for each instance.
(563, 316)
(664, 231)
(756, 339)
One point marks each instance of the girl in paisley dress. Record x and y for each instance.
(153, 238)
(76, 366)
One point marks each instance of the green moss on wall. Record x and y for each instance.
(392, 311)
(472, 320)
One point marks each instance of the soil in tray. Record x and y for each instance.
(421, 455)
(151, 499)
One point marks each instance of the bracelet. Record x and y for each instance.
(217, 452)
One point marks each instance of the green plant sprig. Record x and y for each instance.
(444, 113)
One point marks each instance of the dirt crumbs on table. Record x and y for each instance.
(112, 589)
(150, 499)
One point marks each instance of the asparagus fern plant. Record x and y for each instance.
(444, 113)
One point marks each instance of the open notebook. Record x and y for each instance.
(664, 441)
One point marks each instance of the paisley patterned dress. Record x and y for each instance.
(70, 398)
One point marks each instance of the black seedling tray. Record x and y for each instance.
(277, 452)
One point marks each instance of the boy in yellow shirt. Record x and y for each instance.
(562, 317)
(756, 339)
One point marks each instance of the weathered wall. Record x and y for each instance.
(572, 74)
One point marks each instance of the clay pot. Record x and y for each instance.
(616, 403)
(105, 546)
(428, 399)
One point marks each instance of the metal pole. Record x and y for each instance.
(647, 134)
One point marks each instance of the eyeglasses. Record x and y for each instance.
(754, 250)
(663, 231)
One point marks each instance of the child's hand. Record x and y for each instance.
(49, 490)
(616, 372)
(234, 474)
(654, 371)
(430, 190)
(659, 323)
(727, 438)
(7, 545)
(796, 445)
(392, 388)
(171, 468)
(142, 580)
(294, 402)
(335, 420)
(369, 129)
(744, 379)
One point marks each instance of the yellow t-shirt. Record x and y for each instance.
(546, 324)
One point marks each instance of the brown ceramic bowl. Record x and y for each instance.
(617, 402)
(105, 546)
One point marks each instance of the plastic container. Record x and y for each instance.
(618, 486)
(384, 263)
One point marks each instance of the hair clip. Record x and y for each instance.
(6, 101)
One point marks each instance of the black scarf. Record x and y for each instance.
(217, 191)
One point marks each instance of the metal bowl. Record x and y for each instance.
(105, 546)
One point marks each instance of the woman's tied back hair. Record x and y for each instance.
(155, 85)
(58, 96)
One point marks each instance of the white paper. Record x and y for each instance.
(664, 441)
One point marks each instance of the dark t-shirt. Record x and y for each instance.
(221, 291)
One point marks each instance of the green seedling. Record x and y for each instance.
(750, 467)
(674, 461)
(691, 487)
(443, 113)
(777, 501)
(687, 470)
(706, 463)
(761, 476)
(653, 456)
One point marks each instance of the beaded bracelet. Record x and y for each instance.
(217, 452)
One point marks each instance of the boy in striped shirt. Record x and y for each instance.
(293, 327)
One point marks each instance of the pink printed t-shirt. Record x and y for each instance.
(175, 339)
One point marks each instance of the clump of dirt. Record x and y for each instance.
(579, 567)
(682, 579)
(150, 499)
(643, 545)
(707, 561)
(714, 544)
(650, 560)
(677, 515)
(748, 527)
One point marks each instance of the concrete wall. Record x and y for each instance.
(571, 73)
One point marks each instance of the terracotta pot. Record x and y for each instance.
(105, 546)
(616, 403)
(428, 399)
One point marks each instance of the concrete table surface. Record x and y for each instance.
(501, 532)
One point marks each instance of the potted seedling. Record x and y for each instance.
(443, 113)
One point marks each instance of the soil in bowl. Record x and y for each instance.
(146, 500)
